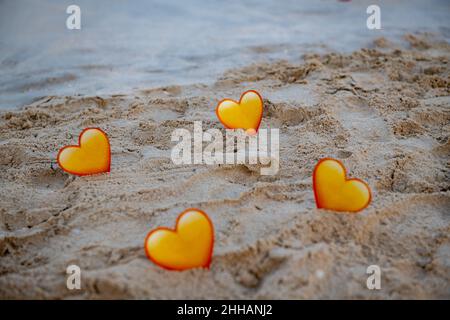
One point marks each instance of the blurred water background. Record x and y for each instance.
(127, 45)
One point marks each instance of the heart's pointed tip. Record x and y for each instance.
(251, 132)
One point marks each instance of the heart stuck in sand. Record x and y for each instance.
(245, 114)
(333, 191)
(92, 154)
(189, 245)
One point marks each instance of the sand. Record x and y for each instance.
(384, 111)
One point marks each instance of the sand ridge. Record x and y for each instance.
(383, 111)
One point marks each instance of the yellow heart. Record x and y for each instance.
(189, 245)
(245, 114)
(92, 154)
(334, 191)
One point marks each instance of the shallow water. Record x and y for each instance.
(128, 45)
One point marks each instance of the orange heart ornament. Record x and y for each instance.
(334, 191)
(189, 245)
(92, 155)
(245, 114)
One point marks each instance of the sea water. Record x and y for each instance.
(124, 46)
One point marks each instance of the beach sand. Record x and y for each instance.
(383, 111)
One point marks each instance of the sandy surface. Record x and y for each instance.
(383, 111)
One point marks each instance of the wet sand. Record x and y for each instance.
(384, 111)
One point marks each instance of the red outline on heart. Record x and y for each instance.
(240, 99)
(345, 177)
(79, 146)
(208, 263)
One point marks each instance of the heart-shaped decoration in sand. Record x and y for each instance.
(189, 245)
(334, 191)
(245, 114)
(92, 154)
